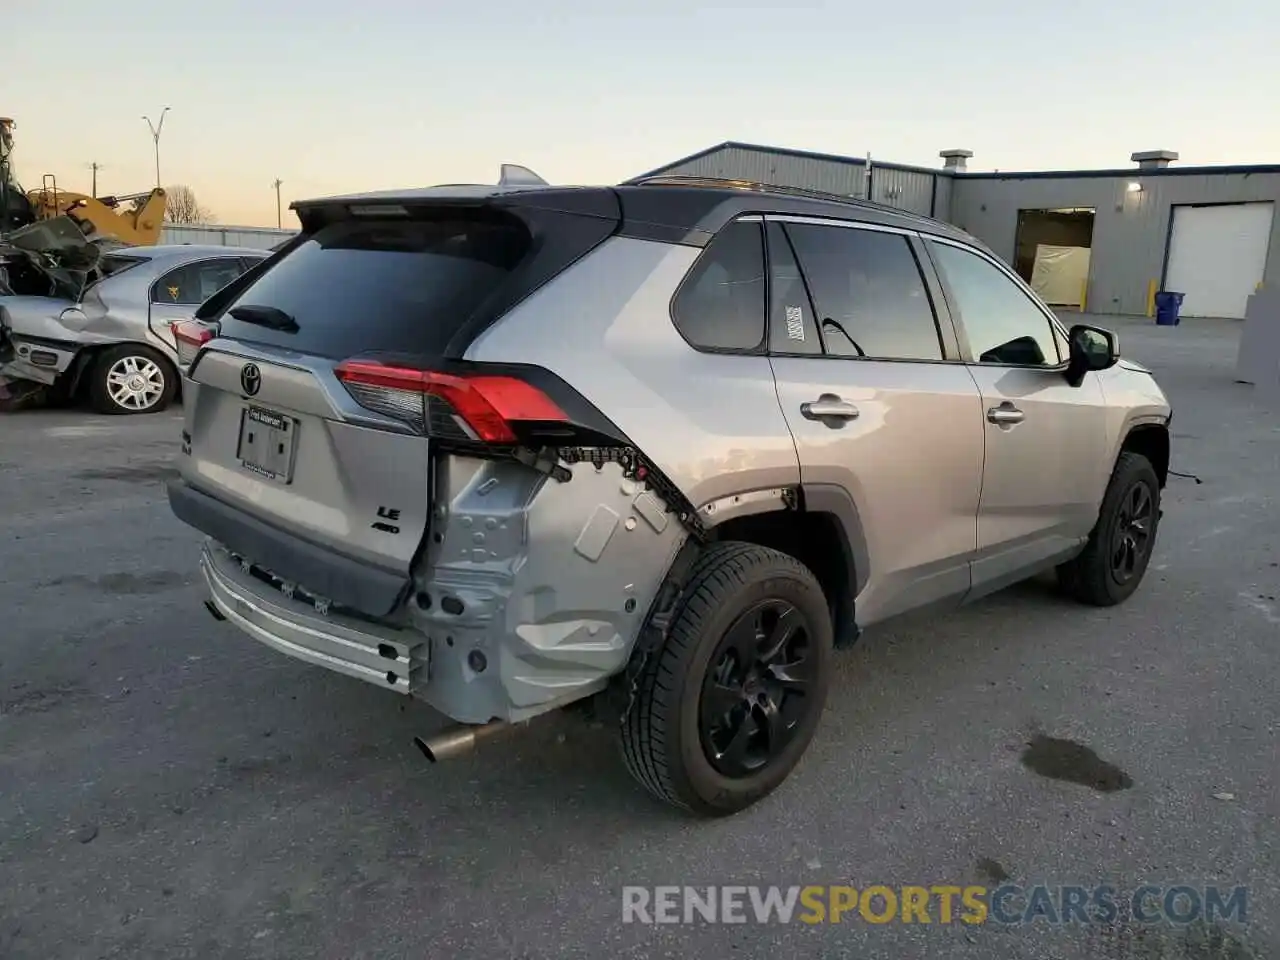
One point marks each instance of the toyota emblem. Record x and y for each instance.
(250, 379)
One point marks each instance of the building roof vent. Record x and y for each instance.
(954, 160)
(1153, 159)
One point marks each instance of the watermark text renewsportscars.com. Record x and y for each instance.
(1008, 904)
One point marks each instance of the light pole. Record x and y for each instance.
(279, 218)
(156, 128)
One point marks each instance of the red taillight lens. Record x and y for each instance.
(487, 405)
(189, 336)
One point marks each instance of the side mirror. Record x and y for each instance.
(1092, 348)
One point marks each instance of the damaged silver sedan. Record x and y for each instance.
(92, 320)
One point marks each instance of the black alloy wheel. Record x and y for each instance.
(754, 695)
(1131, 540)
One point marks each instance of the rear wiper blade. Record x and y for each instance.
(272, 317)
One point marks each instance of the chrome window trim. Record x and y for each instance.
(846, 224)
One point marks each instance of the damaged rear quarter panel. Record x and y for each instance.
(710, 422)
(37, 317)
(45, 321)
(548, 581)
(34, 323)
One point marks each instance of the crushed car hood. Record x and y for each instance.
(52, 258)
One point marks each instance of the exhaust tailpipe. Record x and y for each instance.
(455, 741)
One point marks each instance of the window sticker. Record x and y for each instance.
(795, 323)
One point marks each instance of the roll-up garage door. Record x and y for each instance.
(1217, 255)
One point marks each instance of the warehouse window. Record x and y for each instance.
(1002, 323)
(721, 304)
(868, 292)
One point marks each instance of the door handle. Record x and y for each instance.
(1005, 415)
(829, 407)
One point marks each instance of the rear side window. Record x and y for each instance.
(388, 286)
(110, 264)
(868, 291)
(721, 304)
(194, 283)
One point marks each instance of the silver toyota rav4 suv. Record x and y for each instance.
(506, 448)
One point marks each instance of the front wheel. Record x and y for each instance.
(1115, 559)
(131, 378)
(724, 710)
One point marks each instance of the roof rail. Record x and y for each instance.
(669, 180)
(676, 180)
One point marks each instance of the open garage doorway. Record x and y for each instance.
(1052, 251)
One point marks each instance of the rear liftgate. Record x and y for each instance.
(525, 609)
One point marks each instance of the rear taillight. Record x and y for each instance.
(484, 407)
(189, 336)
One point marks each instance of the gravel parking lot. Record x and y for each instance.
(170, 789)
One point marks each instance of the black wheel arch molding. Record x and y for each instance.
(1150, 436)
(816, 523)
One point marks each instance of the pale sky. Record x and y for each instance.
(334, 97)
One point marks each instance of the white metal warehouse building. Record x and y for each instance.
(1101, 240)
(259, 238)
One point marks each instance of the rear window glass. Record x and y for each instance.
(360, 286)
(114, 263)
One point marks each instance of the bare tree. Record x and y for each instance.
(181, 206)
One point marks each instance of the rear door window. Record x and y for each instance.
(395, 286)
(793, 327)
(721, 304)
(194, 283)
(869, 293)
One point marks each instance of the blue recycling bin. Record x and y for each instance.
(1168, 304)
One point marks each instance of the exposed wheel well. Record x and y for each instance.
(1150, 440)
(817, 540)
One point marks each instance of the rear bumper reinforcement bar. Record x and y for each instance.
(391, 659)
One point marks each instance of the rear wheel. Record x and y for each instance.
(726, 707)
(131, 378)
(1115, 559)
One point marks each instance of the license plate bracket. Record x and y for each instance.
(267, 444)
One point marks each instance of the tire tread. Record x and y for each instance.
(1086, 577)
(720, 569)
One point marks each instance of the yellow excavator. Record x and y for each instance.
(133, 220)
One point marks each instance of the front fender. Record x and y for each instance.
(1134, 400)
